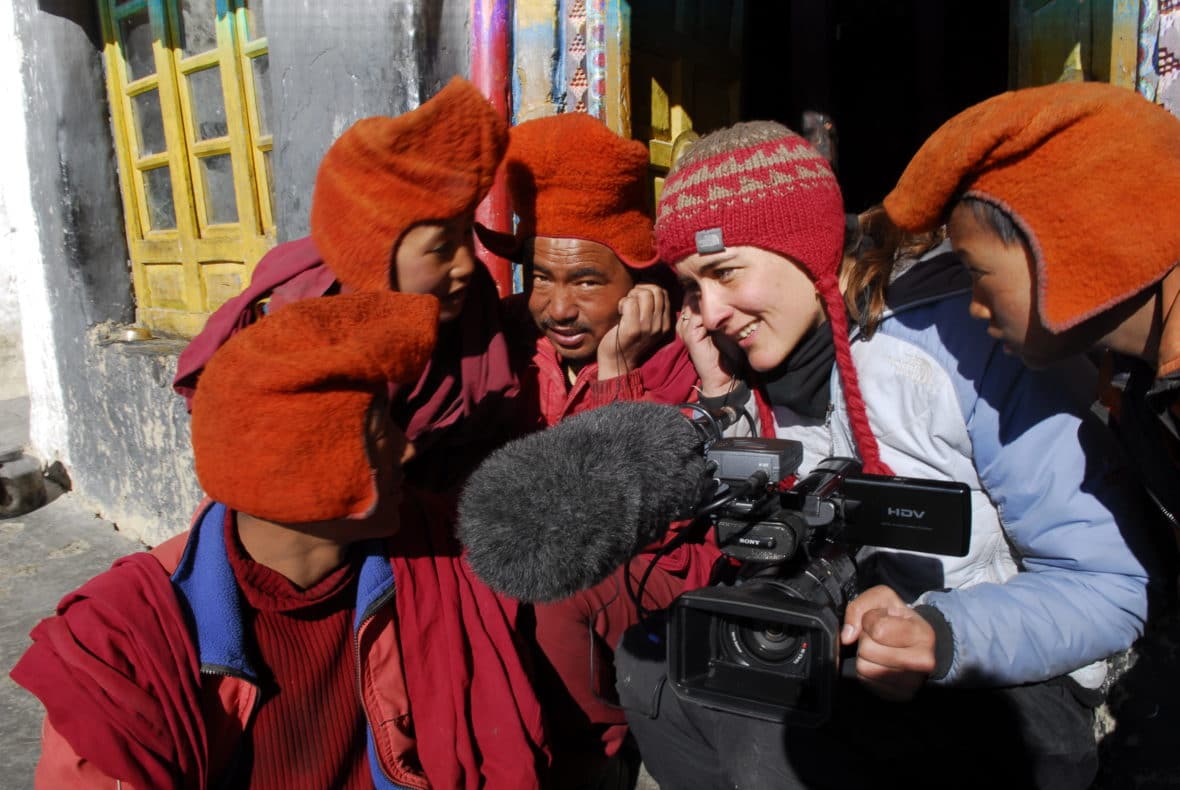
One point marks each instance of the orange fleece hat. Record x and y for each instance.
(279, 421)
(1082, 168)
(384, 175)
(572, 177)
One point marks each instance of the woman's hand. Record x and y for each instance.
(712, 367)
(895, 644)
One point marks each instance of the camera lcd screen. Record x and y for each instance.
(930, 516)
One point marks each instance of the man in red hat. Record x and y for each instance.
(598, 328)
(600, 308)
(316, 626)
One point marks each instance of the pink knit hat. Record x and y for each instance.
(761, 185)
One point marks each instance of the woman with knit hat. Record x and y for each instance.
(969, 670)
(393, 209)
(316, 626)
(1061, 201)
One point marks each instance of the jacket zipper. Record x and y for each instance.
(1168, 514)
(369, 613)
(828, 428)
(231, 765)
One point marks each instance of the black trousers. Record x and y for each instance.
(1037, 736)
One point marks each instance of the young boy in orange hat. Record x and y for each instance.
(315, 627)
(1061, 202)
(393, 209)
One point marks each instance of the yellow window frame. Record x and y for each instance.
(181, 274)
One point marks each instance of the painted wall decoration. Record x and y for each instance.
(585, 56)
(1159, 52)
(572, 56)
(1167, 62)
(1149, 28)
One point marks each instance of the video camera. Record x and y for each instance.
(763, 641)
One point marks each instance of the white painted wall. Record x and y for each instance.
(12, 358)
(25, 314)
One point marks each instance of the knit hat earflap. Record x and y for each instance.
(279, 422)
(1079, 166)
(571, 177)
(759, 184)
(384, 175)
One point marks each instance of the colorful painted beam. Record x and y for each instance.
(490, 46)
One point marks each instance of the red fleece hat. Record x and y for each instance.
(572, 177)
(1081, 167)
(761, 185)
(279, 421)
(384, 175)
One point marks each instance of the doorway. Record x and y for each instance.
(885, 74)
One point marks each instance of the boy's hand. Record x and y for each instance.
(710, 364)
(645, 316)
(895, 644)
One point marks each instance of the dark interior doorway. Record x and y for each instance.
(887, 72)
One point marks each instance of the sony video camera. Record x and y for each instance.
(764, 641)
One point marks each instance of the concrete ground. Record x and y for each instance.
(14, 424)
(43, 555)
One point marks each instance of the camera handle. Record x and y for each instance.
(811, 496)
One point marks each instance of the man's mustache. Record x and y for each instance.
(548, 324)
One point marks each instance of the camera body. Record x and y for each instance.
(764, 640)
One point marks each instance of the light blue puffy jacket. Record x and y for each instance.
(1055, 580)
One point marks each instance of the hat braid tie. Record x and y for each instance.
(866, 442)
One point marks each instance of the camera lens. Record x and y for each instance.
(766, 644)
(774, 643)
